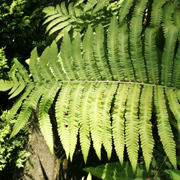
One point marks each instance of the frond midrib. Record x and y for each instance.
(105, 81)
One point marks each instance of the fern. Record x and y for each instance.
(118, 120)
(113, 49)
(44, 120)
(174, 174)
(115, 171)
(164, 128)
(79, 15)
(84, 126)
(145, 126)
(132, 125)
(107, 81)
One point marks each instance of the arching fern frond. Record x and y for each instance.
(95, 116)
(174, 104)
(84, 120)
(74, 113)
(151, 55)
(176, 75)
(62, 106)
(113, 49)
(124, 10)
(145, 126)
(132, 125)
(5, 85)
(104, 81)
(164, 128)
(18, 103)
(157, 12)
(118, 127)
(44, 120)
(124, 56)
(79, 15)
(109, 92)
(27, 108)
(168, 55)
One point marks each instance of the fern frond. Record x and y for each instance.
(84, 129)
(28, 106)
(176, 16)
(20, 88)
(125, 61)
(33, 64)
(51, 10)
(62, 107)
(71, 8)
(99, 53)
(151, 55)
(77, 57)
(73, 118)
(140, 7)
(44, 121)
(164, 128)
(145, 126)
(90, 4)
(115, 171)
(174, 104)
(124, 10)
(168, 55)
(112, 45)
(66, 56)
(18, 103)
(174, 174)
(66, 22)
(22, 71)
(136, 49)
(58, 18)
(63, 8)
(78, 2)
(168, 10)
(109, 92)
(62, 32)
(176, 74)
(100, 5)
(54, 64)
(132, 124)
(118, 127)
(176, 20)
(45, 70)
(91, 67)
(96, 117)
(178, 94)
(16, 84)
(157, 12)
(52, 17)
(106, 73)
(6, 85)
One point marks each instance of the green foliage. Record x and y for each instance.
(3, 62)
(106, 84)
(12, 152)
(76, 16)
(21, 26)
(174, 174)
(115, 171)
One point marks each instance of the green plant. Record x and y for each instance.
(12, 152)
(20, 22)
(116, 171)
(78, 15)
(107, 84)
(3, 62)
